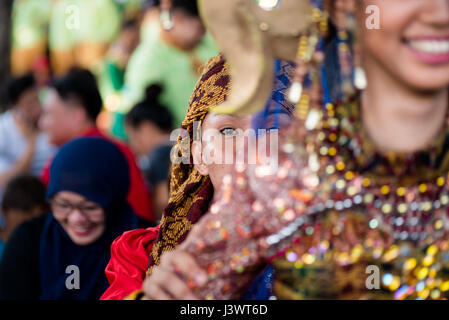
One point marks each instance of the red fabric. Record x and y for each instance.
(45, 174)
(129, 262)
(139, 196)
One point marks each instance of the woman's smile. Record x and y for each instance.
(432, 50)
(82, 230)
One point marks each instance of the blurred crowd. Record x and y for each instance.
(119, 71)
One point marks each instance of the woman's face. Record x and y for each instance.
(228, 137)
(82, 220)
(412, 43)
(218, 130)
(188, 30)
(145, 137)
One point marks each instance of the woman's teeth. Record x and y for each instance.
(81, 229)
(431, 46)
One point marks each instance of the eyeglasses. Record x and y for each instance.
(62, 209)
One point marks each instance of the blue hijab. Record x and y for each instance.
(96, 169)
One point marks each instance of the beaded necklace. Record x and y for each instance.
(404, 224)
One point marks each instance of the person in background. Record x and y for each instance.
(41, 71)
(80, 32)
(62, 255)
(149, 125)
(29, 24)
(150, 25)
(23, 148)
(24, 198)
(71, 111)
(172, 59)
(112, 73)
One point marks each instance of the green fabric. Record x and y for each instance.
(110, 82)
(61, 37)
(110, 79)
(116, 75)
(149, 31)
(129, 5)
(30, 19)
(76, 21)
(154, 61)
(118, 127)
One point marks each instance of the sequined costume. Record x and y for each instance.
(323, 219)
(337, 219)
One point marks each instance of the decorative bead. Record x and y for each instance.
(295, 92)
(422, 188)
(332, 151)
(360, 81)
(340, 166)
(441, 181)
(366, 182)
(268, 5)
(401, 191)
(385, 190)
(312, 120)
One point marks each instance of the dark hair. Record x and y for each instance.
(81, 85)
(24, 192)
(15, 87)
(130, 24)
(150, 110)
(189, 6)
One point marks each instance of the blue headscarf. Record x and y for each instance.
(277, 102)
(96, 169)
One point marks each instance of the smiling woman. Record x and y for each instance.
(88, 195)
(83, 220)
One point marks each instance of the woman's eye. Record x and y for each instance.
(91, 208)
(228, 131)
(63, 205)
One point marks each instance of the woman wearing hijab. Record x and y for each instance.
(62, 255)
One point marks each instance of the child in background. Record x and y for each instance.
(24, 198)
(148, 126)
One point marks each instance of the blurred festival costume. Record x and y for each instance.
(30, 20)
(112, 71)
(36, 257)
(160, 60)
(190, 197)
(336, 206)
(80, 32)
